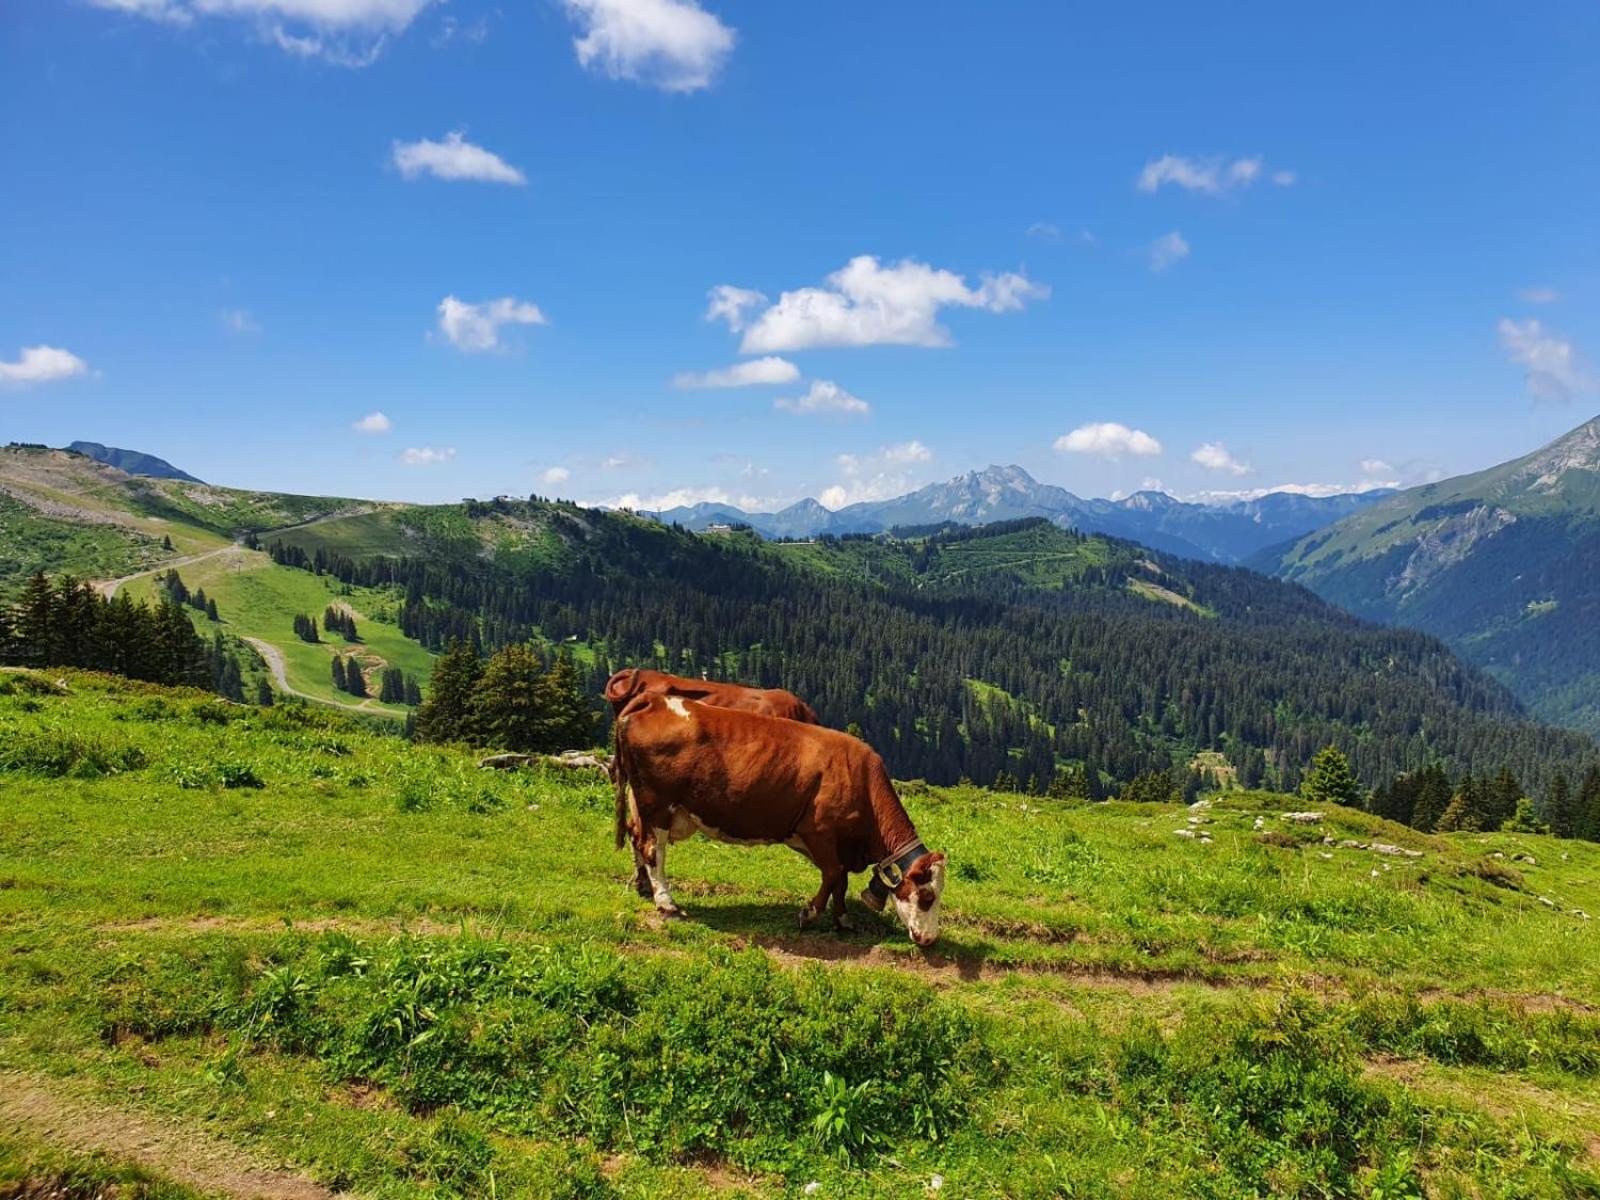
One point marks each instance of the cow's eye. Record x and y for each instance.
(925, 898)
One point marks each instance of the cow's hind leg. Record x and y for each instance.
(654, 852)
(834, 879)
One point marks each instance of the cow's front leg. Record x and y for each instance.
(841, 919)
(834, 877)
(641, 873)
(813, 909)
(654, 851)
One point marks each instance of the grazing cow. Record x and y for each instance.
(772, 702)
(683, 767)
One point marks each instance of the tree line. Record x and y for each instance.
(517, 700)
(1088, 676)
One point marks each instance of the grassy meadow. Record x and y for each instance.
(257, 598)
(374, 966)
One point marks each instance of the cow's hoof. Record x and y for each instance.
(843, 925)
(807, 916)
(641, 884)
(670, 912)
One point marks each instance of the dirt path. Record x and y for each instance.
(108, 587)
(273, 657)
(72, 1122)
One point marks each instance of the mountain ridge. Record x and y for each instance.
(1226, 532)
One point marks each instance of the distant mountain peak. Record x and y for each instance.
(134, 462)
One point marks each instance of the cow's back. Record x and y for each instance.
(623, 687)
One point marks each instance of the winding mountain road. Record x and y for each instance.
(273, 657)
(108, 587)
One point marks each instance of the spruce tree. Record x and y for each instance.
(511, 702)
(338, 674)
(264, 695)
(1330, 780)
(1561, 808)
(1589, 805)
(413, 692)
(211, 609)
(354, 681)
(571, 711)
(1433, 797)
(446, 715)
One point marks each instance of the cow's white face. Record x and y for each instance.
(917, 898)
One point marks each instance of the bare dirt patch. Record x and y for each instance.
(190, 1157)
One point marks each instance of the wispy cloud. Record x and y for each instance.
(1166, 250)
(347, 33)
(554, 475)
(475, 328)
(1551, 364)
(1045, 231)
(373, 422)
(865, 303)
(878, 476)
(770, 369)
(1110, 440)
(824, 396)
(1212, 176)
(41, 364)
(239, 321)
(427, 456)
(1538, 295)
(674, 45)
(454, 159)
(1214, 456)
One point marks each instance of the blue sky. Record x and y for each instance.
(1223, 247)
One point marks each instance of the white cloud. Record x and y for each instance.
(1553, 369)
(1166, 250)
(554, 475)
(373, 422)
(427, 456)
(1108, 439)
(1045, 231)
(1214, 456)
(674, 45)
(733, 305)
(1538, 295)
(349, 33)
(1315, 490)
(867, 304)
(1212, 176)
(620, 459)
(41, 364)
(1375, 466)
(684, 497)
(239, 320)
(475, 328)
(878, 476)
(770, 369)
(825, 396)
(454, 159)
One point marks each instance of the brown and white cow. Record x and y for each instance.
(683, 767)
(773, 702)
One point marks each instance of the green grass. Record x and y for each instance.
(257, 598)
(410, 977)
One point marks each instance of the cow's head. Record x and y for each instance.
(917, 897)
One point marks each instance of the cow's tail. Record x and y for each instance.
(619, 779)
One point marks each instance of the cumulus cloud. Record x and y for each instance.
(427, 456)
(1538, 295)
(1166, 250)
(865, 303)
(1551, 364)
(475, 328)
(373, 422)
(1108, 439)
(454, 159)
(554, 475)
(1214, 456)
(1376, 466)
(674, 45)
(41, 364)
(770, 369)
(1215, 176)
(683, 497)
(350, 33)
(824, 396)
(877, 476)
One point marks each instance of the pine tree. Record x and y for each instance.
(264, 695)
(211, 609)
(166, 542)
(1433, 798)
(1524, 820)
(1501, 800)
(392, 687)
(1457, 816)
(1589, 805)
(572, 714)
(446, 715)
(35, 620)
(510, 703)
(1561, 808)
(1330, 780)
(413, 692)
(354, 681)
(339, 683)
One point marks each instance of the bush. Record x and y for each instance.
(58, 754)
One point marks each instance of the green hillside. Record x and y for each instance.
(270, 936)
(1500, 563)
